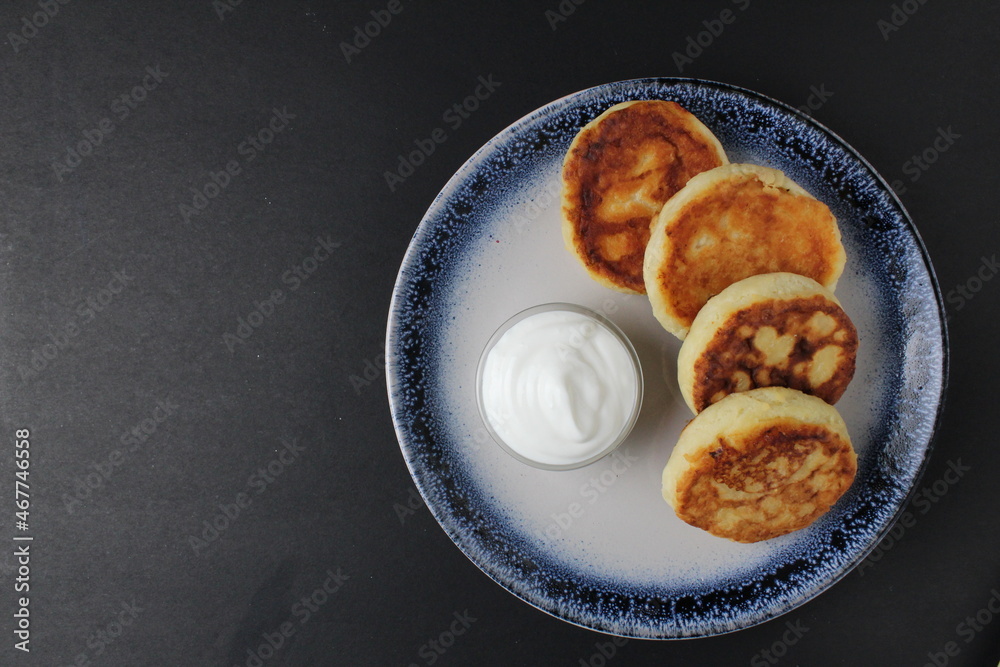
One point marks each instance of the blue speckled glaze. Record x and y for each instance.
(908, 319)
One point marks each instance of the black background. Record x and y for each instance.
(81, 377)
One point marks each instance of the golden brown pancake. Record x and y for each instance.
(617, 174)
(731, 223)
(769, 330)
(760, 464)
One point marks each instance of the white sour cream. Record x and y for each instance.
(560, 388)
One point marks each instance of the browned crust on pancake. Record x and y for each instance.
(782, 232)
(758, 469)
(732, 351)
(650, 147)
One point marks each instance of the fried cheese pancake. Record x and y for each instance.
(730, 223)
(617, 174)
(769, 330)
(760, 464)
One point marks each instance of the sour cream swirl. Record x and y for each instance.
(559, 387)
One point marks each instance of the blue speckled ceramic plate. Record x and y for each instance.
(598, 546)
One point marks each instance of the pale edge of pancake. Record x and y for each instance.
(718, 309)
(658, 248)
(741, 412)
(569, 226)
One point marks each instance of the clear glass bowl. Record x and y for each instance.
(599, 320)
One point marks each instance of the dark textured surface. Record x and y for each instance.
(220, 338)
